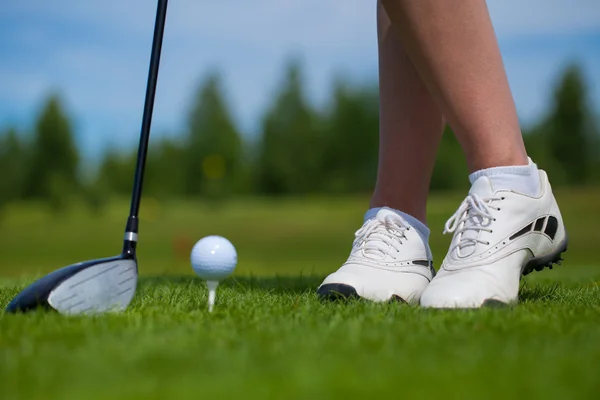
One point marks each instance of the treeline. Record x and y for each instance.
(300, 149)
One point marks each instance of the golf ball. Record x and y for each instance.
(213, 258)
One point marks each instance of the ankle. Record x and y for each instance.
(482, 161)
(414, 209)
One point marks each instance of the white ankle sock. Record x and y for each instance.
(421, 228)
(523, 179)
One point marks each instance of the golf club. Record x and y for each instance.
(106, 284)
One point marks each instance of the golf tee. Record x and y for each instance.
(212, 293)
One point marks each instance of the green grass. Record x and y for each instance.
(270, 337)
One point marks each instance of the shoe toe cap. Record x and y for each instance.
(373, 284)
(462, 290)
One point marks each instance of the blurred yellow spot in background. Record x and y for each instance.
(213, 166)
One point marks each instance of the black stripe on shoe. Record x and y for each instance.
(523, 231)
(539, 224)
(425, 263)
(551, 227)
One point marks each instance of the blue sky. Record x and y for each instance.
(95, 54)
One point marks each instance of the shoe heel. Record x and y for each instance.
(546, 261)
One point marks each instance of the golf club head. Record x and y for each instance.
(89, 287)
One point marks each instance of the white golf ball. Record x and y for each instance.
(213, 258)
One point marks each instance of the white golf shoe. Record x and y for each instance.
(498, 236)
(389, 260)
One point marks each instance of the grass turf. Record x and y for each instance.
(270, 337)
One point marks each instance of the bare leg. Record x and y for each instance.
(410, 128)
(454, 48)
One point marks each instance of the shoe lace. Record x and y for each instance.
(376, 236)
(475, 215)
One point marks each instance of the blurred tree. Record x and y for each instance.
(96, 195)
(569, 130)
(213, 145)
(54, 158)
(595, 149)
(351, 152)
(13, 163)
(292, 143)
(116, 172)
(165, 174)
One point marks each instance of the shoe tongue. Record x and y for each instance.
(482, 187)
(384, 212)
(378, 248)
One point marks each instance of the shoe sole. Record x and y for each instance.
(546, 261)
(340, 291)
(337, 291)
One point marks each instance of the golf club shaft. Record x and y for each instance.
(136, 197)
